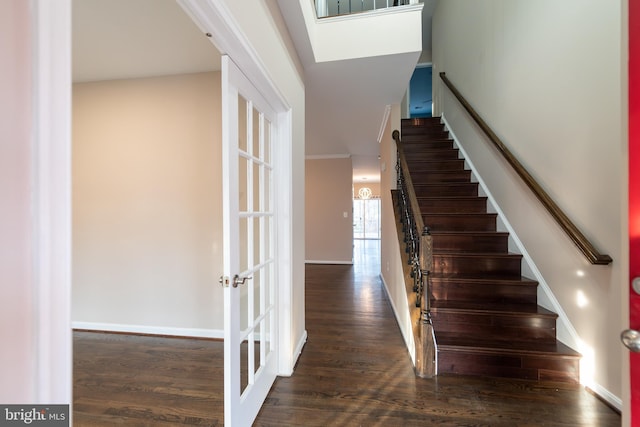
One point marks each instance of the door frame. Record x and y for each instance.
(50, 367)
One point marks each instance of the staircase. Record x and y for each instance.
(485, 314)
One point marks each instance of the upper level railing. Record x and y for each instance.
(327, 8)
(576, 236)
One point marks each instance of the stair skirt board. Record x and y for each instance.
(217, 334)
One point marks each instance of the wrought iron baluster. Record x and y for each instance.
(419, 246)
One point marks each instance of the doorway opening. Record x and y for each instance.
(420, 92)
(366, 218)
(366, 227)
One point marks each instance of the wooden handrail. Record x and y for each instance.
(576, 236)
(413, 200)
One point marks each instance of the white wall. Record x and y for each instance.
(552, 88)
(147, 192)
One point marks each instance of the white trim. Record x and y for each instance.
(296, 355)
(150, 330)
(383, 125)
(606, 395)
(324, 261)
(284, 246)
(51, 199)
(214, 18)
(327, 156)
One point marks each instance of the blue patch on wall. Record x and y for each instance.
(420, 93)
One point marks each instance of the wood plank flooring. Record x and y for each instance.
(353, 371)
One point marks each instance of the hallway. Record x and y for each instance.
(353, 371)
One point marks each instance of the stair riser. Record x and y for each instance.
(496, 243)
(434, 154)
(421, 121)
(471, 222)
(423, 130)
(415, 142)
(451, 205)
(440, 177)
(495, 326)
(509, 266)
(417, 145)
(483, 292)
(531, 367)
(436, 165)
(453, 189)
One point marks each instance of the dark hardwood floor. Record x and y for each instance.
(353, 371)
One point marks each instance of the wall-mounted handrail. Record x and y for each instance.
(576, 236)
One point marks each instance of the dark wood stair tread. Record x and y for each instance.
(484, 279)
(492, 308)
(454, 342)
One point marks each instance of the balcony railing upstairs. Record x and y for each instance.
(328, 8)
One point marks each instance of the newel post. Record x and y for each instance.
(427, 350)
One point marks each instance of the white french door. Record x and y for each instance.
(250, 323)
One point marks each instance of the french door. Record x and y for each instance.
(250, 333)
(366, 218)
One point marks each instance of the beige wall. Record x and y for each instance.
(328, 198)
(147, 223)
(552, 88)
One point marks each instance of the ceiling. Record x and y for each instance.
(118, 39)
(124, 39)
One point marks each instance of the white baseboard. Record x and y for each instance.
(299, 347)
(606, 395)
(312, 261)
(150, 330)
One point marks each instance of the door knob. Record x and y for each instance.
(237, 280)
(631, 339)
